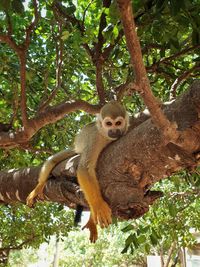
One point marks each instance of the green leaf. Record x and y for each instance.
(65, 35)
(172, 210)
(71, 9)
(127, 228)
(17, 6)
(125, 249)
(143, 229)
(174, 44)
(114, 13)
(141, 239)
(130, 239)
(147, 248)
(154, 240)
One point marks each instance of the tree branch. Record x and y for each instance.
(97, 56)
(180, 79)
(22, 57)
(60, 9)
(59, 62)
(168, 129)
(126, 181)
(171, 250)
(21, 51)
(30, 28)
(20, 246)
(155, 65)
(9, 41)
(49, 116)
(24, 114)
(102, 25)
(99, 81)
(10, 28)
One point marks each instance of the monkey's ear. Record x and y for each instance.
(99, 117)
(99, 120)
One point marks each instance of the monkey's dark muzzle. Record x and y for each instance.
(115, 134)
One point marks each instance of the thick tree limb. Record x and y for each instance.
(127, 168)
(51, 115)
(142, 81)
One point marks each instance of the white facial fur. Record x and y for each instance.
(109, 123)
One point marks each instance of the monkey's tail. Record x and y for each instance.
(78, 214)
(52, 161)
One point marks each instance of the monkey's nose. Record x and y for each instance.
(114, 133)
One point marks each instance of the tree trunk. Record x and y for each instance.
(56, 254)
(127, 168)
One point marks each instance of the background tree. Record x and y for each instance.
(60, 58)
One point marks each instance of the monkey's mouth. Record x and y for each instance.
(114, 134)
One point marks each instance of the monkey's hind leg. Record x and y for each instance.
(93, 230)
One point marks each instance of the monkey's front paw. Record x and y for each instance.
(31, 199)
(102, 214)
(93, 230)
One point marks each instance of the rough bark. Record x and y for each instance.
(127, 168)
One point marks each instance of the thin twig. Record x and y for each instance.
(155, 65)
(99, 82)
(24, 114)
(30, 28)
(171, 250)
(85, 11)
(59, 62)
(98, 59)
(15, 104)
(10, 27)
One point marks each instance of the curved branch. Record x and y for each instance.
(168, 129)
(52, 115)
(9, 41)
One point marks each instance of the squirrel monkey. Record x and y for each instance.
(112, 122)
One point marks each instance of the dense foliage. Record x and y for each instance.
(67, 46)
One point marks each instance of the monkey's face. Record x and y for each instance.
(113, 128)
(113, 120)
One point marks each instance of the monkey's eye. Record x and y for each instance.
(109, 123)
(118, 123)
